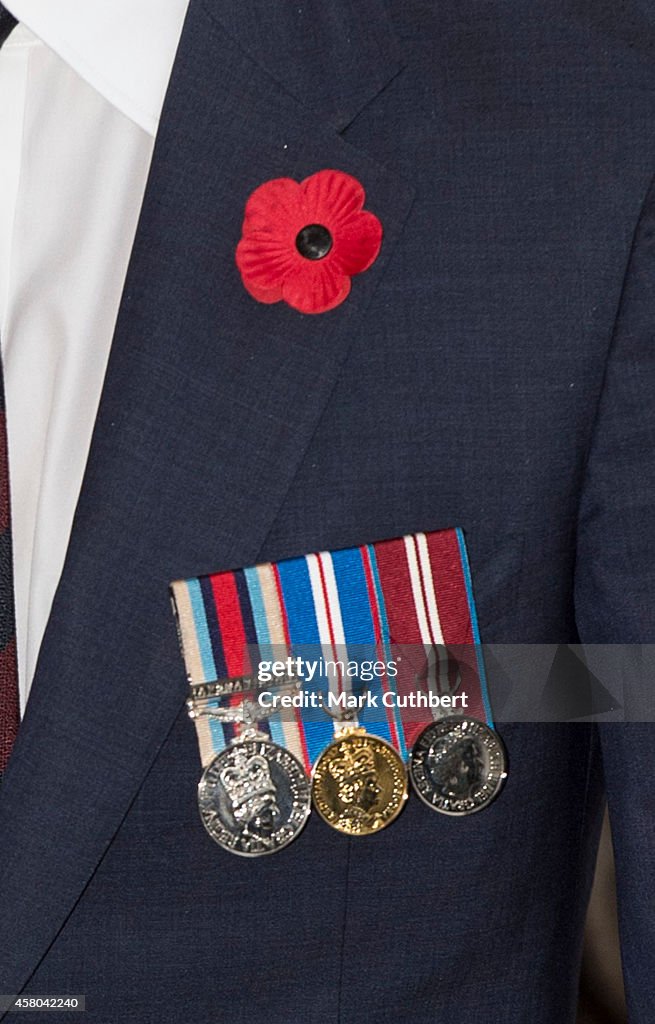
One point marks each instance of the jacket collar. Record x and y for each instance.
(333, 57)
(125, 49)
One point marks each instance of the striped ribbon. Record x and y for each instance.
(406, 601)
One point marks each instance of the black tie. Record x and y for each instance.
(9, 708)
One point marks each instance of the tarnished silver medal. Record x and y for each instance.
(458, 765)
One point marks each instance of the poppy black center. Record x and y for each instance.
(314, 241)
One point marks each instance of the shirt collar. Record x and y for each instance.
(125, 49)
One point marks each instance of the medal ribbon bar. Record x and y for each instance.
(388, 599)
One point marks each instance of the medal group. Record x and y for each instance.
(255, 796)
(263, 770)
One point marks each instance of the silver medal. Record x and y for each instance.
(458, 765)
(254, 797)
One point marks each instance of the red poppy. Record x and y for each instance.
(303, 241)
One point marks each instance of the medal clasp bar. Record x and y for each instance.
(205, 698)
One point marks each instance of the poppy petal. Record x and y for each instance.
(315, 287)
(266, 295)
(275, 208)
(330, 197)
(357, 242)
(264, 261)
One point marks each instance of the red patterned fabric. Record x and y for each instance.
(9, 705)
(270, 257)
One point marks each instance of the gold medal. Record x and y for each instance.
(359, 783)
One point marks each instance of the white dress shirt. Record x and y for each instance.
(81, 89)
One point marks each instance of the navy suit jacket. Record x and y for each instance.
(494, 370)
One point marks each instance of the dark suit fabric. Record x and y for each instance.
(493, 370)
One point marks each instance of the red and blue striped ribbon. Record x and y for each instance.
(388, 601)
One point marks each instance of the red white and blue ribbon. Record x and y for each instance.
(387, 600)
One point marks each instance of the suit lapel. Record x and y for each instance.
(333, 57)
(209, 403)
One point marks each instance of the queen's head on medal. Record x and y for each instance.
(455, 768)
(354, 772)
(251, 793)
